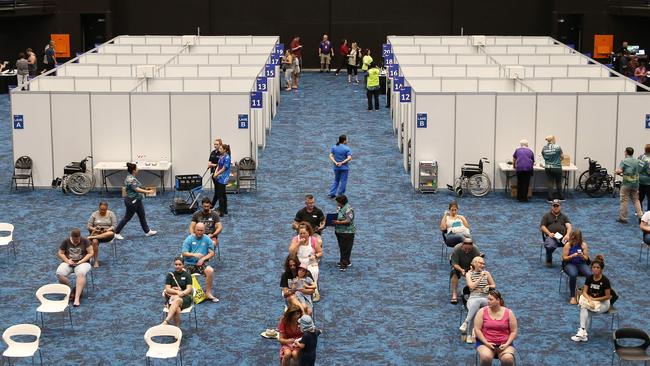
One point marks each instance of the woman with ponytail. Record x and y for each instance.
(596, 294)
(133, 202)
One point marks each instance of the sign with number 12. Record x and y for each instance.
(405, 94)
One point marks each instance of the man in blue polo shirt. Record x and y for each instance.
(197, 251)
(340, 155)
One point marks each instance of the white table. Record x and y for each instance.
(509, 171)
(156, 168)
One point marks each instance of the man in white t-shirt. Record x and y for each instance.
(645, 227)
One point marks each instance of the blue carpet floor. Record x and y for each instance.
(391, 308)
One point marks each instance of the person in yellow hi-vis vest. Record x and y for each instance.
(372, 85)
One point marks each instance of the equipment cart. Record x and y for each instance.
(188, 190)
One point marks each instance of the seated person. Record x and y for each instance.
(461, 258)
(291, 265)
(197, 250)
(479, 282)
(303, 287)
(101, 225)
(575, 261)
(309, 249)
(75, 253)
(596, 293)
(556, 228)
(645, 227)
(454, 225)
(290, 333)
(178, 292)
(495, 327)
(210, 219)
(311, 214)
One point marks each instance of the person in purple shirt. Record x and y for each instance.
(325, 53)
(340, 155)
(523, 160)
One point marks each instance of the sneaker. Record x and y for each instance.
(581, 336)
(463, 328)
(622, 221)
(470, 338)
(549, 264)
(151, 233)
(349, 264)
(342, 269)
(119, 237)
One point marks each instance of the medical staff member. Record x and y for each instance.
(222, 174)
(340, 155)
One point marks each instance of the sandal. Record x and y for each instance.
(453, 301)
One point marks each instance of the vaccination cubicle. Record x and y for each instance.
(147, 113)
(457, 113)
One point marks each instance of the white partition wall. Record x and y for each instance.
(71, 138)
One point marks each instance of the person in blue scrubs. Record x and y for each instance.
(222, 175)
(340, 156)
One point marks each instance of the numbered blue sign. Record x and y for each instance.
(262, 84)
(19, 122)
(647, 121)
(274, 60)
(388, 60)
(279, 49)
(398, 83)
(393, 71)
(269, 71)
(242, 121)
(387, 49)
(405, 94)
(256, 99)
(422, 120)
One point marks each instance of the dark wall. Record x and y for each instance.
(369, 25)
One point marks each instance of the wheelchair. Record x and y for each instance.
(77, 178)
(472, 179)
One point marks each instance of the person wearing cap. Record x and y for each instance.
(75, 253)
(309, 341)
(556, 229)
(461, 259)
(552, 154)
(644, 176)
(523, 160)
(629, 169)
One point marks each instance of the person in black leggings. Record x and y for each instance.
(222, 175)
(133, 202)
(213, 162)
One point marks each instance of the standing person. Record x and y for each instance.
(372, 86)
(22, 69)
(523, 161)
(75, 253)
(287, 67)
(311, 214)
(49, 59)
(33, 63)
(552, 154)
(597, 293)
(353, 60)
(644, 176)
(366, 61)
(296, 50)
(629, 169)
(340, 155)
(100, 226)
(325, 53)
(344, 230)
(178, 292)
(222, 174)
(213, 163)
(133, 202)
(640, 73)
(344, 49)
(308, 342)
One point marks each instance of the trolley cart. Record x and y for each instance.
(187, 203)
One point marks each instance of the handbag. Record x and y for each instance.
(199, 295)
(592, 305)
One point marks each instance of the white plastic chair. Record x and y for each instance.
(188, 310)
(164, 350)
(53, 306)
(22, 349)
(9, 239)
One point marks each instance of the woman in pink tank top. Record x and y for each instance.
(495, 328)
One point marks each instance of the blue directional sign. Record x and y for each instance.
(647, 121)
(262, 84)
(279, 49)
(269, 71)
(393, 70)
(256, 99)
(388, 60)
(242, 121)
(405, 94)
(19, 122)
(387, 49)
(422, 120)
(398, 83)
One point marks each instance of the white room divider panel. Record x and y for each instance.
(191, 136)
(150, 129)
(596, 130)
(475, 131)
(633, 110)
(515, 120)
(437, 141)
(111, 128)
(556, 115)
(71, 139)
(35, 139)
(225, 109)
